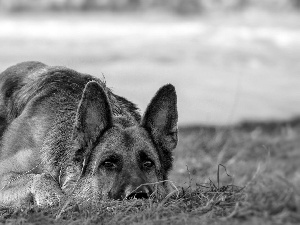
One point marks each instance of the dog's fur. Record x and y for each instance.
(64, 134)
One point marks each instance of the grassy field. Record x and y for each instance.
(261, 185)
(226, 68)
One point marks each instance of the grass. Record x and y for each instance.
(257, 184)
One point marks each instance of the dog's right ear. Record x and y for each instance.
(161, 116)
(93, 115)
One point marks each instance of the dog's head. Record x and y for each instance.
(118, 161)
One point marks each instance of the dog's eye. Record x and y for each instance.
(109, 165)
(148, 164)
(112, 162)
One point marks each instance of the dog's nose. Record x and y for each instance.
(138, 195)
(142, 192)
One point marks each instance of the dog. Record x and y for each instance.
(66, 135)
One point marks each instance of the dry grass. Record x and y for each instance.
(260, 184)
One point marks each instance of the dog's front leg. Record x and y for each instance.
(22, 190)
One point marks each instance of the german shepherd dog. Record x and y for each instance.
(64, 134)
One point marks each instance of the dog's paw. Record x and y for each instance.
(46, 191)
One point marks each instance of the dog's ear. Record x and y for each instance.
(160, 118)
(93, 115)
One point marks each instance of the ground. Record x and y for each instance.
(226, 68)
(258, 182)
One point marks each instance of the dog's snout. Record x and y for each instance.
(139, 195)
(141, 192)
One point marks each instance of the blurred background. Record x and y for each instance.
(230, 60)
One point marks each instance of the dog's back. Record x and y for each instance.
(21, 82)
(11, 82)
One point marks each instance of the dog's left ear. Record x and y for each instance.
(160, 118)
(93, 116)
